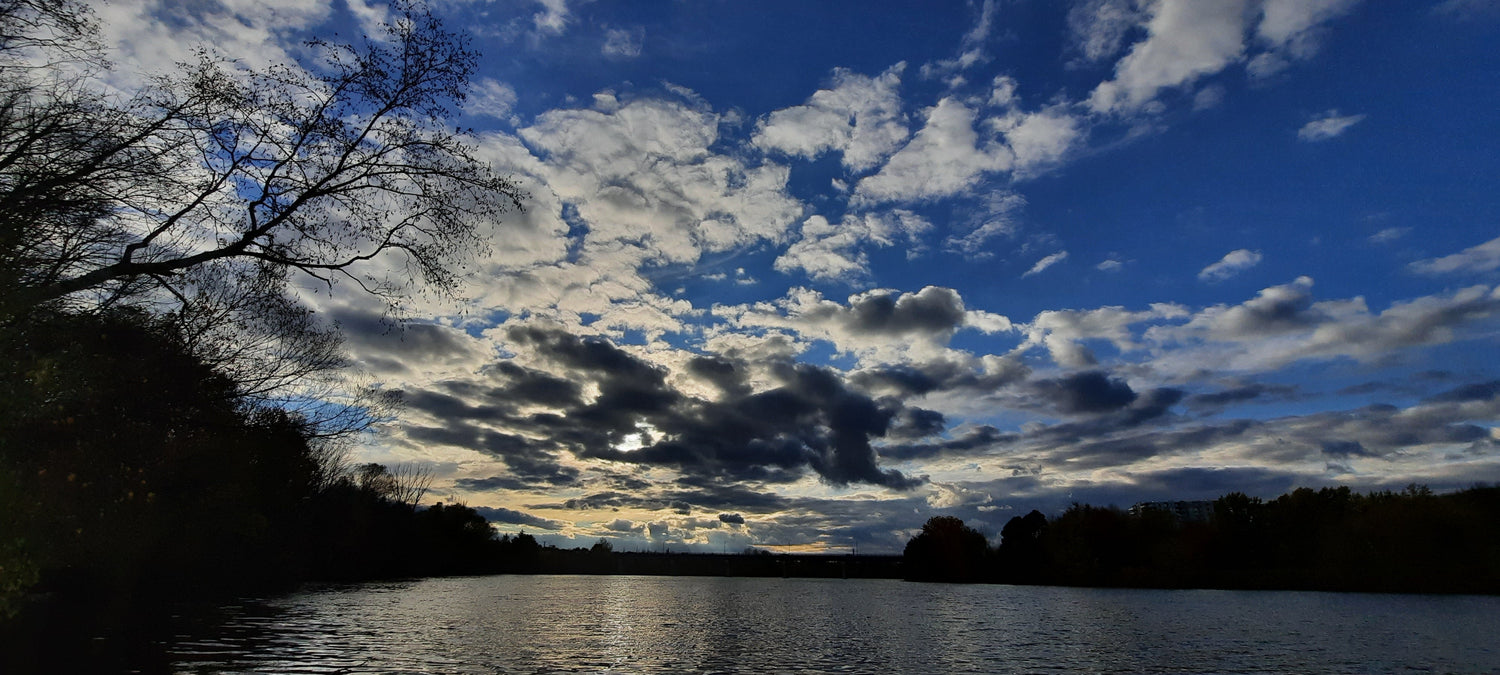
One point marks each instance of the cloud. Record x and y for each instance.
(996, 217)
(1389, 235)
(1288, 30)
(808, 421)
(858, 116)
(827, 252)
(1098, 27)
(1110, 265)
(732, 518)
(1475, 259)
(942, 160)
(645, 175)
(513, 517)
(971, 48)
(553, 18)
(1186, 40)
(1283, 324)
(1231, 264)
(1046, 262)
(881, 324)
(1062, 332)
(1329, 125)
(622, 43)
(1087, 392)
(490, 98)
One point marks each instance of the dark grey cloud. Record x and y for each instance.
(812, 421)
(623, 525)
(513, 517)
(1241, 394)
(1337, 448)
(1086, 392)
(906, 380)
(931, 310)
(375, 336)
(977, 439)
(726, 374)
(732, 518)
(1480, 391)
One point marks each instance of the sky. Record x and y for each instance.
(801, 275)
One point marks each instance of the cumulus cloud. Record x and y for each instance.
(858, 116)
(945, 158)
(827, 252)
(1328, 125)
(808, 420)
(1231, 264)
(1063, 332)
(882, 323)
(1475, 259)
(1186, 40)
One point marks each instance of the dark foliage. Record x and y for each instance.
(133, 474)
(1328, 539)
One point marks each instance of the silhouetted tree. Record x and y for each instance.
(945, 550)
(1021, 554)
(316, 171)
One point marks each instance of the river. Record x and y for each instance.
(539, 624)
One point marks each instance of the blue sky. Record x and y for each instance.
(832, 268)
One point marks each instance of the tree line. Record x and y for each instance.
(1327, 539)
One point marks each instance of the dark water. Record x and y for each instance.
(537, 624)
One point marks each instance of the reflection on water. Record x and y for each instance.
(704, 624)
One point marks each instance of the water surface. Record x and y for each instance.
(542, 624)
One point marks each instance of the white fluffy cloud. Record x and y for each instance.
(1187, 39)
(1232, 263)
(1063, 332)
(858, 116)
(837, 252)
(1328, 125)
(644, 174)
(945, 158)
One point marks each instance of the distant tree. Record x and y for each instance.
(1021, 554)
(945, 550)
(602, 547)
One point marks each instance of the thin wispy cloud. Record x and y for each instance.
(1329, 125)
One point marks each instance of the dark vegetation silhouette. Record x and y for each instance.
(173, 423)
(1327, 539)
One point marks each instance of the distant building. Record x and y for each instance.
(1185, 512)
